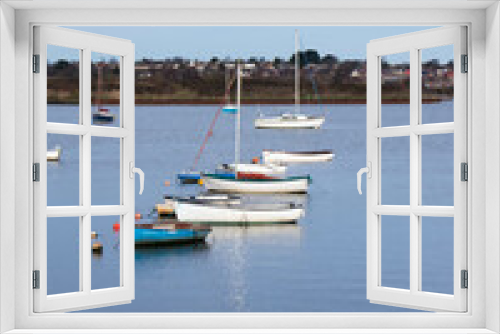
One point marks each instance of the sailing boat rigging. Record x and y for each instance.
(294, 120)
(242, 168)
(101, 115)
(249, 182)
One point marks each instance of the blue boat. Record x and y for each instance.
(195, 177)
(103, 116)
(160, 233)
(230, 109)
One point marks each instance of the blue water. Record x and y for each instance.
(318, 265)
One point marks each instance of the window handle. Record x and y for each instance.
(134, 170)
(368, 171)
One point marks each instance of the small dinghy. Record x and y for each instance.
(224, 184)
(167, 209)
(55, 154)
(290, 121)
(189, 177)
(200, 212)
(103, 116)
(170, 233)
(195, 177)
(286, 157)
(268, 169)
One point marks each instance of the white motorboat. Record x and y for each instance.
(294, 120)
(226, 184)
(200, 212)
(168, 208)
(287, 157)
(55, 154)
(268, 169)
(290, 121)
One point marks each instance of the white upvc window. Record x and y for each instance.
(83, 210)
(414, 296)
(415, 210)
(471, 300)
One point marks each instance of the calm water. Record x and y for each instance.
(318, 265)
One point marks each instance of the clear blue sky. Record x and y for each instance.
(202, 43)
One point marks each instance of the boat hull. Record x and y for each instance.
(258, 168)
(257, 186)
(99, 118)
(166, 236)
(200, 213)
(281, 157)
(53, 156)
(280, 123)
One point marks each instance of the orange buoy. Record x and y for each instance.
(255, 160)
(138, 216)
(116, 227)
(167, 183)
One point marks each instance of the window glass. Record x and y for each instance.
(63, 84)
(63, 255)
(106, 96)
(437, 84)
(63, 170)
(395, 89)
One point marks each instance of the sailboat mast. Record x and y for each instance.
(99, 85)
(297, 73)
(237, 127)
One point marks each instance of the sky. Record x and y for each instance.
(203, 43)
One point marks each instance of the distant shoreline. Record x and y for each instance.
(253, 102)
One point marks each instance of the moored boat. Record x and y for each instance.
(55, 154)
(224, 184)
(158, 233)
(103, 116)
(286, 157)
(167, 209)
(290, 121)
(199, 212)
(294, 120)
(195, 177)
(268, 169)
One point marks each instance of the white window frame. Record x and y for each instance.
(85, 44)
(483, 229)
(415, 297)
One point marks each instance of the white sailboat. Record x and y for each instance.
(230, 184)
(289, 120)
(288, 157)
(199, 212)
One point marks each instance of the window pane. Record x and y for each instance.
(63, 255)
(395, 170)
(63, 170)
(437, 254)
(105, 89)
(395, 95)
(105, 252)
(395, 243)
(437, 169)
(437, 84)
(63, 84)
(106, 171)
